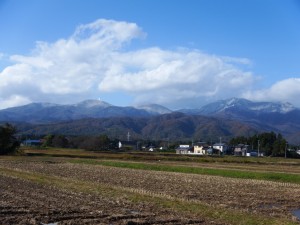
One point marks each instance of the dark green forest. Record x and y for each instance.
(270, 143)
(8, 141)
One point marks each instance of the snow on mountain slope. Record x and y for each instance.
(154, 109)
(246, 105)
(92, 103)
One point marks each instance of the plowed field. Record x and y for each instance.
(44, 191)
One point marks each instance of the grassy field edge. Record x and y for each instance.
(268, 176)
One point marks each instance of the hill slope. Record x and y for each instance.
(174, 126)
(47, 113)
(221, 118)
(282, 118)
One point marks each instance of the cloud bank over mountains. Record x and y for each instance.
(97, 59)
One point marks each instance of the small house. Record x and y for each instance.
(220, 148)
(201, 148)
(241, 150)
(183, 149)
(31, 143)
(128, 145)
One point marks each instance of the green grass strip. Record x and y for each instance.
(154, 156)
(219, 215)
(269, 176)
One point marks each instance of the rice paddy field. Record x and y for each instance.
(59, 186)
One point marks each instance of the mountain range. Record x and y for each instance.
(48, 112)
(226, 118)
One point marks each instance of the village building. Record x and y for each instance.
(201, 148)
(128, 145)
(184, 149)
(30, 142)
(220, 148)
(241, 150)
(244, 150)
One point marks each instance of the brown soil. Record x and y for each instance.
(27, 202)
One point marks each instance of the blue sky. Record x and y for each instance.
(175, 53)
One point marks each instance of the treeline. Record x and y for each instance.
(271, 144)
(8, 141)
(99, 143)
(96, 143)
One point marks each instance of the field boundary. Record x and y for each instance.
(285, 178)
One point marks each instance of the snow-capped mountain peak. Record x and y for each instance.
(154, 109)
(222, 105)
(246, 105)
(272, 107)
(287, 107)
(92, 103)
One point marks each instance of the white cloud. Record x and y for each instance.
(13, 100)
(93, 60)
(244, 61)
(67, 67)
(165, 76)
(285, 91)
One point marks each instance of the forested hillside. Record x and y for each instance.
(174, 126)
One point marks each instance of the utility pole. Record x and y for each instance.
(258, 148)
(128, 136)
(286, 144)
(168, 143)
